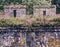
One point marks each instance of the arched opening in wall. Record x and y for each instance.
(14, 11)
(44, 13)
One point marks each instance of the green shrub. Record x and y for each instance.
(38, 18)
(23, 21)
(11, 21)
(56, 20)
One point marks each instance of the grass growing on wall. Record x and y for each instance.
(11, 21)
(34, 21)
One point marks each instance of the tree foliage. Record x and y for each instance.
(57, 3)
(8, 2)
(30, 3)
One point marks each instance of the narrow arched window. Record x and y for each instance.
(44, 13)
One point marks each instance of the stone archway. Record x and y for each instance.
(14, 13)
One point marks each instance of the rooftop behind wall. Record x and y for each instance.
(15, 6)
(44, 6)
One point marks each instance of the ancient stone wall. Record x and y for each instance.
(20, 10)
(49, 10)
(38, 10)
